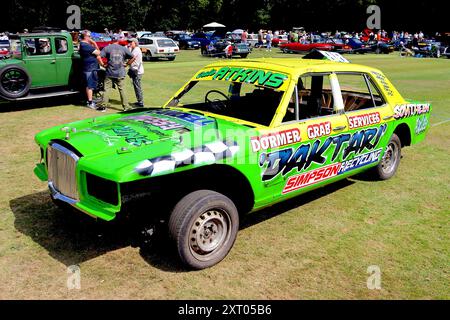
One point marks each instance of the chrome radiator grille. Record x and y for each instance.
(61, 163)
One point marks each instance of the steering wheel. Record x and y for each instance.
(216, 104)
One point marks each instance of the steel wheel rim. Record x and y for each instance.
(209, 232)
(14, 81)
(390, 158)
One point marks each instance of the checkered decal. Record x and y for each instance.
(209, 153)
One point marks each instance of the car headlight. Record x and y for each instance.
(189, 42)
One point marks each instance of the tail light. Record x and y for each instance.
(175, 50)
(161, 50)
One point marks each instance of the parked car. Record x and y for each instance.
(277, 40)
(297, 47)
(171, 33)
(430, 48)
(157, 47)
(217, 49)
(381, 47)
(238, 137)
(185, 41)
(140, 34)
(160, 34)
(338, 45)
(105, 40)
(365, 36)
(4, 48)
(252, 40)
(208, 37)
(43, 64)
(357, 45)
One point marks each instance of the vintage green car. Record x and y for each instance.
(238, 137)
(43, 64)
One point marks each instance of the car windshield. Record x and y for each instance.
(166, 43)
(185, 37)
(247, 100)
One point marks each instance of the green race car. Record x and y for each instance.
(238, 137)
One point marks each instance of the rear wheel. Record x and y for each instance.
(171, 58)
(204, 225)
(14, 82)
(148, 56)
(244, 55)
(391, 159)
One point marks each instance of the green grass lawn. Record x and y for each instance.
(317, 246)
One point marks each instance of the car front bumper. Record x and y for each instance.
(163, 55)
(86, 204)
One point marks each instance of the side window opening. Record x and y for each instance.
(359, 92)
(38, 46)
(314, 96)
(61, 45)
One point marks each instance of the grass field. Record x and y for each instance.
(317, 246)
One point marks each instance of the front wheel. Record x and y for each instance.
(391, 159)
(204, 225)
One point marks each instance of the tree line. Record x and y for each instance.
(160, 15)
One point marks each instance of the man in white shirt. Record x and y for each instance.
(136, 71)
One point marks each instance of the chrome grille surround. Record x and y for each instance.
(61, 166)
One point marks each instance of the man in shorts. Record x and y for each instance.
(90, 57)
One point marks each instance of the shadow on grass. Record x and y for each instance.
(72, 237)
(12, 106)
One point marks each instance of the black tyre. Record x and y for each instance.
(14, 82)
(171, 58)
(243, 56)
(391, 159)
(148, 56)
(204, 225)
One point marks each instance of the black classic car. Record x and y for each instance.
(185, 41)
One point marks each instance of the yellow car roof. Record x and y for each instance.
(293, 66)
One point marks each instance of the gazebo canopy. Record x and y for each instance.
(214, 25)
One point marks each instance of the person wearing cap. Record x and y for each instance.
(136, 71)
(90, 59)
(115, 70)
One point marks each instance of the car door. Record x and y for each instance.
(63, 57)
(151, 46)
(369, 120)
(309, 141)
(40, 60)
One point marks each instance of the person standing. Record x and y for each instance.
(260, 38)
(115, 70)
(228, 50)
(244, 36)
(269, 40)
(90, 59)
(136, 71)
